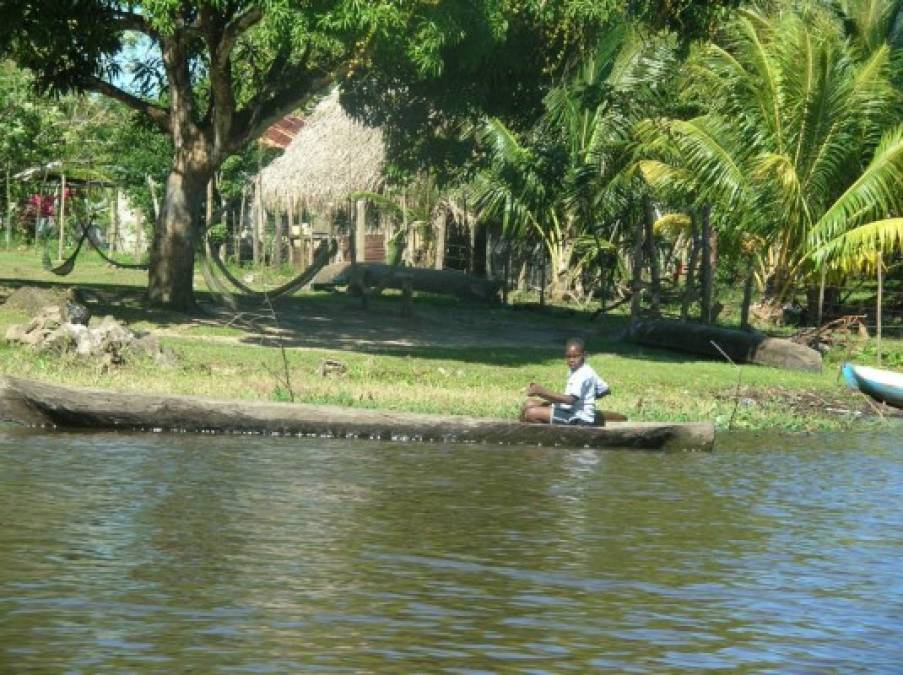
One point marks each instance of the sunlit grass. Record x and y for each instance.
(485, 379)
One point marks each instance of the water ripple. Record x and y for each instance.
(126, 552)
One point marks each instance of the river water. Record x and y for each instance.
(177, 553)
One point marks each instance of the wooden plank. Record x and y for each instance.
(46, 405)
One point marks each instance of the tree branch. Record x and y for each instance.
(235, 28)
(262, 111)
(158, 115)
(135, 22)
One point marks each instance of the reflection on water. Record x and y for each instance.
(141, 552)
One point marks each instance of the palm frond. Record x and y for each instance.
(874, 194)
(850, 249)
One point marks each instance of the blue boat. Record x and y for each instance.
(885, 386)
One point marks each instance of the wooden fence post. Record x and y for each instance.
(878, 309)
(9, 208)
(360, 231)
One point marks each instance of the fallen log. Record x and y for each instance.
(40, 404)
(740, 346)
(447, 282)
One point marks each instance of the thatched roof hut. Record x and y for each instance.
(331, 157)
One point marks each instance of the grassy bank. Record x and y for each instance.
(450, 358)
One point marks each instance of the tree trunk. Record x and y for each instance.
(821, 296)
(690, 283)
(481, 263)
(708, 264)
(441, 229)
(636, 259)
(542, 279)
(652, 256)
(171, 274)
(155, 202)
(747, 292)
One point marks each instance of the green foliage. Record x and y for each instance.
(218, 234)
(569, 182)
(787, 147)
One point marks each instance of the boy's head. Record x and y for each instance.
(574, 353)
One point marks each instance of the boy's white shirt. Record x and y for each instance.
(586, 385)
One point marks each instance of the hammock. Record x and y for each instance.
(324, 252)
(114, 263)
(68, 264)
(220, 293)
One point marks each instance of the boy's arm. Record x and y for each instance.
(550, 396)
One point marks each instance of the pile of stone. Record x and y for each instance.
(65, 329)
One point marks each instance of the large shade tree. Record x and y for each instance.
(217, 73)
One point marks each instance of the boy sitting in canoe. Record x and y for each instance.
(577, 405)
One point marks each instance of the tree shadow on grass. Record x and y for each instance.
(441, 327)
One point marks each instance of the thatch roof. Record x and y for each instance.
(331, 157)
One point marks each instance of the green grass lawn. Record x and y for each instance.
(452, 358)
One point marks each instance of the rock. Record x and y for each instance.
(59, 341)
(329, 367)
(109, 341)
(74, 312)
(33, 339)
(15, 333)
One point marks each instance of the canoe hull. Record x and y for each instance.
(884, 386)
(40, 404)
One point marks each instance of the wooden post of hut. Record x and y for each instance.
(258, 218)
(360, 231)
(62, 216)
(277, 239)
(241, 225)
(294, 235)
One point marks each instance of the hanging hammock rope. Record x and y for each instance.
(115, 263)
(324, 252)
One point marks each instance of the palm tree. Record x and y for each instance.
(571, 183)
(789, 147)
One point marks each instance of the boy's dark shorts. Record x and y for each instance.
(567, 418)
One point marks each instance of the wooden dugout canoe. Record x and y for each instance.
(47, 405)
